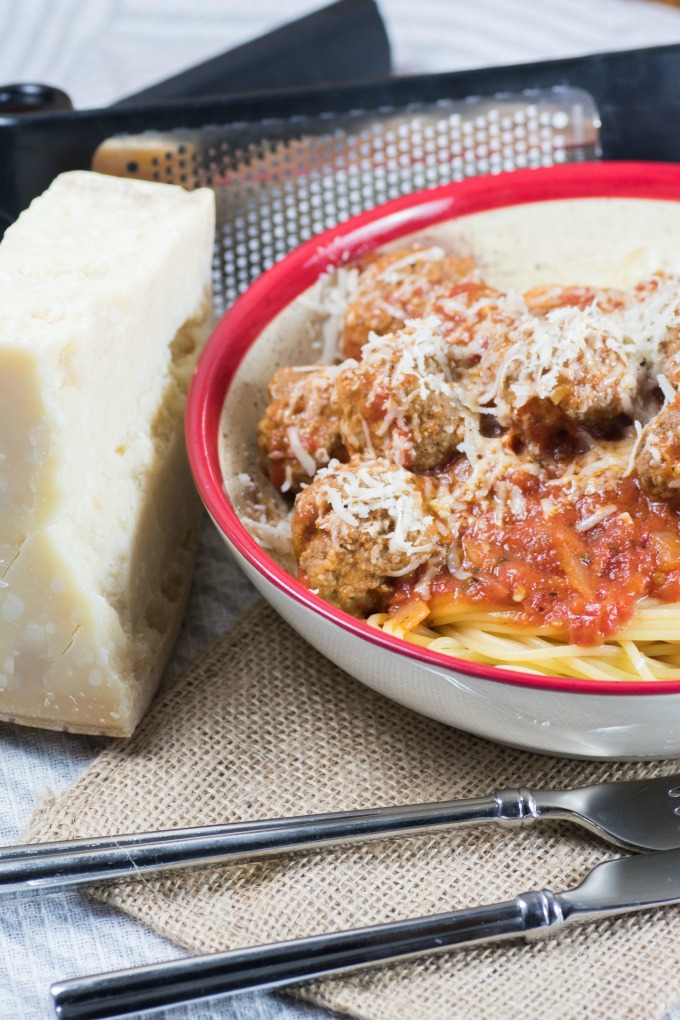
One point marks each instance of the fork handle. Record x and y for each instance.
(44, 867)
(195, 979)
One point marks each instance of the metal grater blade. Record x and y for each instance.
(280, 181)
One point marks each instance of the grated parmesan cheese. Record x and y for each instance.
(596, 517)
(433, 254)
(299, 452)
(265, 521)
(603, 350)
(329, 298)
(417, 359)
(634, 449)
(275, 537)
(382, 500)
(666, 388)
(396, 313)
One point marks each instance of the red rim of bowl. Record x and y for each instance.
(278, 286)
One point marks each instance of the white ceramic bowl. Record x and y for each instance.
(588, 223)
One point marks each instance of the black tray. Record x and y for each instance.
(637, 92)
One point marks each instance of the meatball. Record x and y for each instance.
(670, 356)
(653, 310)
(472, 316)
(669, 347)
(299, 431)
(573, 359)
(399, 401)
(657, 460)
(397, 286)
(357, 526)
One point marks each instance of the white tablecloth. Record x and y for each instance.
(99, 52)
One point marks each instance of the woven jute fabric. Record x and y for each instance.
(263, 726)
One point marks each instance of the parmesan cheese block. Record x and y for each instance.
(104, 304)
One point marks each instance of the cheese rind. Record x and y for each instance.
(104, 304)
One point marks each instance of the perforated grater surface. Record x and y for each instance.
(280, 181)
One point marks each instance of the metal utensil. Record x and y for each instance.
(640, 815)
(615, 887)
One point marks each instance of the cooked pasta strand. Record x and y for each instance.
(646, 649)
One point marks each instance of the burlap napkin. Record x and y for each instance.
(262, 726)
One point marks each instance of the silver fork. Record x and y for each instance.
(640, 815)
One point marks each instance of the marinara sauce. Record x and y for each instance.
(552, 570)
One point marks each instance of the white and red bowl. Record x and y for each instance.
(582, 218)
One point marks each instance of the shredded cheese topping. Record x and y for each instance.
(392, 274)
(596, 517)
(306, 460)
(329, 298)
(666, 388)
(384, 502)
(604, 349)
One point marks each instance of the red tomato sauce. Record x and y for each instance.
(541, 571)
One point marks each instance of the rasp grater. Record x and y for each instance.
(280, 181)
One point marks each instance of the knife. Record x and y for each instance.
(612, 888)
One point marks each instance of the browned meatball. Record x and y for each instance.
(657, 461)
(652, 315)
(472, 316)
(397, 286)
(670, 356)
(299, 431)
(669, 348)
(356, 527)
(399, 401)
(571, 359)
